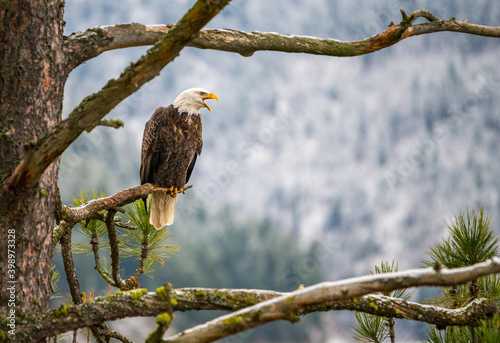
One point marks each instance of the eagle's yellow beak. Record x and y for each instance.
(209, 96)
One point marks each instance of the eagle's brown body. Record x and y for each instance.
(170, 145)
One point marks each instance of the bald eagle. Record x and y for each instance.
(170, 145)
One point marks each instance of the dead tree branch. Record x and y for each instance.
(287, 307)
(257, 307)
(120, 36)
(69, 216)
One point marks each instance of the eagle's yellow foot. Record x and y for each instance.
(173, 192)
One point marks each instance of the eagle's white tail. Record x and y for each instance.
(162, 210)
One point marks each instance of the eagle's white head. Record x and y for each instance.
(193, 99)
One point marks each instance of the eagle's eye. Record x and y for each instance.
(203, 93)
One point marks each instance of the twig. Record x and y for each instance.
(163, 323)
(100, 332)
(391, 323)
(422, 14)
(74, 285)
(95, 249)
(119, 223)
(142, 259)
(114, 123)
(118, 209)
(113, 334)
(114, 250)
(69, 268)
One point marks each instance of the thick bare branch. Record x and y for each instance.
(93, 108)
(119, 36)
(235, 299)
(287, 306)
(257, 307)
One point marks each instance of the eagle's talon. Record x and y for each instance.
(174, 192)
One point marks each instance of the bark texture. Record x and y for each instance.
(32, 77)
(85, 45)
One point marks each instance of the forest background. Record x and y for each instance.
(340, 162)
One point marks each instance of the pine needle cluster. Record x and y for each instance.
(469, 241)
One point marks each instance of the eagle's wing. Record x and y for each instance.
(198, 145)
(191, 166)
(157, 143)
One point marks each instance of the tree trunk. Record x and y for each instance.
(32, 77)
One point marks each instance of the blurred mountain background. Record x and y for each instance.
(313, 168)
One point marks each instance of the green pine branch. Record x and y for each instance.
(469, 241)
(146, 244)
